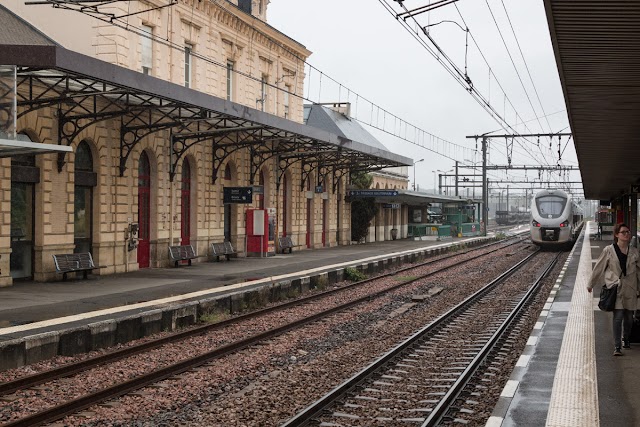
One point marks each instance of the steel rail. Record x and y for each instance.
(313, 410)
(77, 367)
(76, 405)
(439, 412)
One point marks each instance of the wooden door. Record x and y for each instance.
(144, 210)
(185, 199)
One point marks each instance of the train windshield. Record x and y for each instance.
(550, 206)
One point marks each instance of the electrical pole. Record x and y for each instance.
(456, 178)
(485, 187)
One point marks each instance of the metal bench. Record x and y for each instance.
(222, 249)
(72, 263)
(286, 243)
(182, 253)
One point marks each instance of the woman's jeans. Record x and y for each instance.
(622, 321)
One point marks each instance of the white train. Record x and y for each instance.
(556, 220)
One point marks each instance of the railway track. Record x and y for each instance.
(420, 381)
(79, 403)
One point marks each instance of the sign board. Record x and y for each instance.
(237, 195)
(391, 205)
(258, 189)
(319, 189)
(635, 189)
(373, 193)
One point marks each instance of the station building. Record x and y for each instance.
(123, 140)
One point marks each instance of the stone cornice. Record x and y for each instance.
(235, 21)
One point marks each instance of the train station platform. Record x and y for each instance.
(567, 375)
(42, 320)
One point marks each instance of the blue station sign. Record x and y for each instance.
(373, 193)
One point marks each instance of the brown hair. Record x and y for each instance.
(616, 230)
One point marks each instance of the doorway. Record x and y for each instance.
(144, 210)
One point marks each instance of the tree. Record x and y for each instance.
(363, 210)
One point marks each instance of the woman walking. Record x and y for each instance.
(618, 265)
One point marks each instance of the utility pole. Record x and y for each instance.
(485, 186)
(456, 178)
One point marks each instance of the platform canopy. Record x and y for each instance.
(596, 45)
(16, 147)
(86, 91)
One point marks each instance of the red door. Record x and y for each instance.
(325, 209)
(185, 233)
(285, 213)
(144, 210)
(309, 215)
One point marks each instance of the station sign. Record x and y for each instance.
(237, 195)
(373, 193)
(391, 206)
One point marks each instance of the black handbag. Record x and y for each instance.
(608, 298)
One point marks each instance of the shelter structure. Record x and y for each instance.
(151, 148)
(595, 45)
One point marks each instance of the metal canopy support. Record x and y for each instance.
(83, 100)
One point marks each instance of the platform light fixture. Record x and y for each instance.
(414, 172)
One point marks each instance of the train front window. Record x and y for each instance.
(551, 206)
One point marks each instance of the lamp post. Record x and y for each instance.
(414, 172)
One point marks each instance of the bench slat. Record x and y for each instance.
(182, 253)
(222, 249)
(286, 243)
(68, 263)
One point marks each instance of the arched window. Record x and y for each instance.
(84, 160)
(85, 179)
(25, 175)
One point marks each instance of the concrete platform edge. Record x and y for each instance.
(33, 343)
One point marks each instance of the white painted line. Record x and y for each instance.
(544, 313)
(532, 341)
(547, 306)
(510, 388)
(538, 325)
(494, 422)
(523, 360)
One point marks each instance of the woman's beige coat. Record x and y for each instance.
(607, 271)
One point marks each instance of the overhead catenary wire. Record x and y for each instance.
(535, 89)
(455, 71)
(407, 132)
(116, 21)
(506, 98)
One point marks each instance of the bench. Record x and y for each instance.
(182, 253)
(286, 243)
(71, 263)
(222, 249)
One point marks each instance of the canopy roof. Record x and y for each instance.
(596, 45)
(88, 90)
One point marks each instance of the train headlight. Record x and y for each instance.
(535, 223)
(564, 224)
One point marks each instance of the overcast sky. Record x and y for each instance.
(362, 46)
